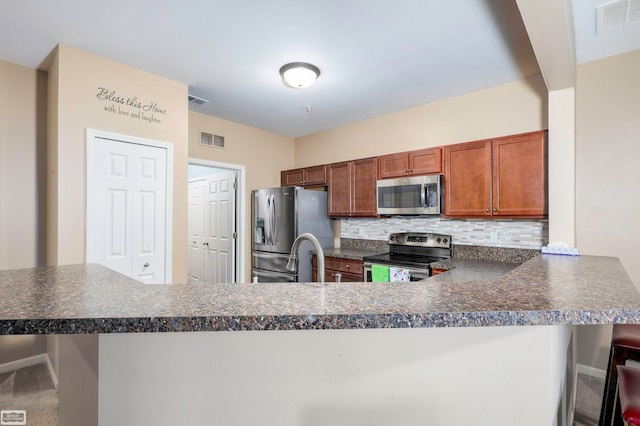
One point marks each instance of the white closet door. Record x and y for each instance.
(128, 204)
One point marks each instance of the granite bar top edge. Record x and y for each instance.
(546, 290)
(316, 322)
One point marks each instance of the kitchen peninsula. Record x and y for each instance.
(388, 353)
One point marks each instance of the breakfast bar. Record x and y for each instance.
(450, 349)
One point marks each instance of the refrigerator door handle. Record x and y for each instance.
(274, 218)
(267, 221)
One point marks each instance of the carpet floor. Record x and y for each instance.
(30, 389)
(588, 400)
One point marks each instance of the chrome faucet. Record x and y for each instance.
(292, 264)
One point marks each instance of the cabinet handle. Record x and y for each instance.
(405, 170)
(495, 210)
(410, 170)
(346, 266)
(486, 210)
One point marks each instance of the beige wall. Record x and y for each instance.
(511, 108)
(561, 163)
(78, 77)
(22, 184)
(608, 159)
(607, 175)
(22, 146)
(263, 154)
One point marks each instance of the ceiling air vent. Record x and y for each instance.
(196, 100)
(617, 14)
(209, 139)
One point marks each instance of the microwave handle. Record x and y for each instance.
(422, 196)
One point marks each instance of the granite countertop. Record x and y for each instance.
(545, 290)
(349, 253)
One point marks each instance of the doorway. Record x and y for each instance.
(129, 198)
(216, 216)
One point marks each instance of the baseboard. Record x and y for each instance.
(28, 362)
(591, 371)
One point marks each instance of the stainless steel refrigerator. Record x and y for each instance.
(279, 215)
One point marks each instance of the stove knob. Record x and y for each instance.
(444, 241)
(438, 240)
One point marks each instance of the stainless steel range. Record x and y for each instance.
(412, 251)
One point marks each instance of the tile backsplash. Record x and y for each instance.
(511, 233)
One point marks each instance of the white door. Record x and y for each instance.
(127, 208)
(212, 233)
(220, 229)
(195, 237)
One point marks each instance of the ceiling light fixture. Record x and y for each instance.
(299, 74)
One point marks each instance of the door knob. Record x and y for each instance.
(205, 244)
(146, 265)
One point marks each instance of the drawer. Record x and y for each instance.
(344, 265)
(330, 276)
(347, 277)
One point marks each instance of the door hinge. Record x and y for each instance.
(235, 235)
(235, 185)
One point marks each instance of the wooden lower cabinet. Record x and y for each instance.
(437, 271)
(351, 270)
(352, 188)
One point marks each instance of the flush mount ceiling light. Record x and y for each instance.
(299, 74)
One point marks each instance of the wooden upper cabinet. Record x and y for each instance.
(352, 188)
(363, 187)
(308, 176)
(467, 179)
(339, 193)
(520, 175)
(393, 165)
(500, 177)
(291, 177)
(419, 162)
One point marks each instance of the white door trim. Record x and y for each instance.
(91, 137)
(240, 207)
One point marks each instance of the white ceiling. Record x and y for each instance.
(376, 56)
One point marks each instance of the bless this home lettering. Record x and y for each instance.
(131, 106)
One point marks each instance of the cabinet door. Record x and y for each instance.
(467, 179)
(316, 175)
(393, 165)
(363, 187)
(291, 177)
(425, 161)
(519, 175)
(339, 193)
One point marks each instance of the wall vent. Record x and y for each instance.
(616, 15)
(209, 139)
(196, 100)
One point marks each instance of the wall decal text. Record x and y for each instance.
(131, 106)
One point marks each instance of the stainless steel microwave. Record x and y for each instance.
(416, 195)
